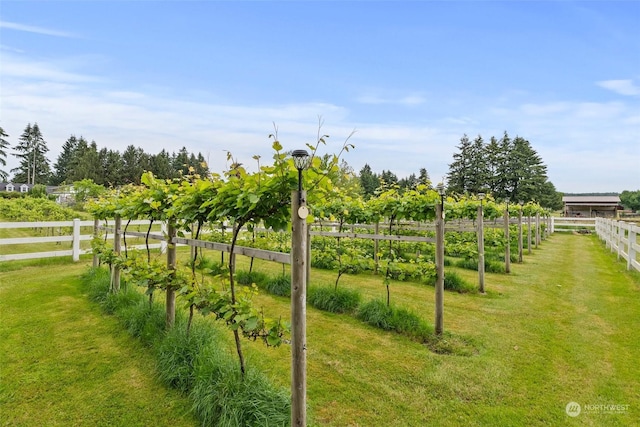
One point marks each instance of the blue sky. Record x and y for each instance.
(409, 77)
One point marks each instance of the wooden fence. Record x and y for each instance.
(572, 224)
(622, 238)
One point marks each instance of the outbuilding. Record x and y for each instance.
(591, 206)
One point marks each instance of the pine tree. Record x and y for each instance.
(112, 165)
(4, 144)
(459, 176)
(31, 149)
(424, 178)
(369, 181)
(64, 161)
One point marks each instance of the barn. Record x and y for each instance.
(591, 206)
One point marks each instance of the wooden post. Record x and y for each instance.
(298, 313)
(507, 238)
(537, 229)
(171, 266)
(439, 321)
(75, 243)
(481, 249)
(308, 264)
(117, 232)
(529, 234)
(520, 235)
(375, 248)
(96, 224)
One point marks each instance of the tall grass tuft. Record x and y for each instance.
(248, 278)
(279, 285)
(377, 313)
(196, 364)
(177, 352)
(144, 322)
(339, 300)
(223, 398)
(453, 282)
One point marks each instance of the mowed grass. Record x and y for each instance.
(563, 327)
(63, 363)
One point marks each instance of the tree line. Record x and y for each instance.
(83, 160)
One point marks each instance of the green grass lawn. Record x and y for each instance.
(63, 363)
(563, 327)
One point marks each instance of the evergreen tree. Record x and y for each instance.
(135, 162)
(31, 149)
(181, 161)
(4, 144)
(424, 178)
(493, 158)
(459, 176)
(161, 165)
(369, 181)
(112, 166)
(64, 161)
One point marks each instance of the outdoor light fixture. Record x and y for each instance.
(440, 188)
(301, 161)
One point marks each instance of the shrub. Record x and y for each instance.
(339, 300)
(453, 282)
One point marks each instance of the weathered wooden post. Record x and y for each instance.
(75, 247)
(507, 238)
(439, 317)
(537, 229)
(171, 266)
(481, 244)
(376, 248)
(115, 273)
(299, 213)
(520, 233)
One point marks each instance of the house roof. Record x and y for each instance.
(591, 200)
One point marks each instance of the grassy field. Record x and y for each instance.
(563, 327)
(62, 363)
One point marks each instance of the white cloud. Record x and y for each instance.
(623, 87)
(37, 30)
(408, 100)
(588, 146)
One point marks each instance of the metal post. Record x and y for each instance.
(298, 313)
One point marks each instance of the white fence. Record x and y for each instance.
(68, 231)
(572, 224)
(622, 238)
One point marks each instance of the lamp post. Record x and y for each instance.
(299, 260)
(521, 203)
(439, 321)
(481, 244)
(507, 237)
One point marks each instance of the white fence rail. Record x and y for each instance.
(621, 238)
(72, 234)
(572, 224)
